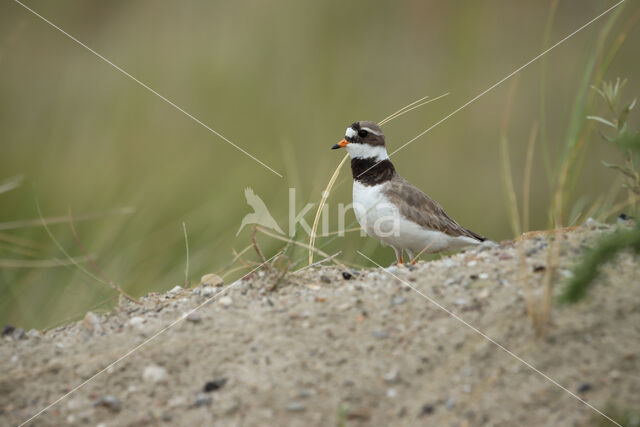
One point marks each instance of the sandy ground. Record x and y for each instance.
(322, 350)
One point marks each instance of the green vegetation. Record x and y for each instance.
(628, 142)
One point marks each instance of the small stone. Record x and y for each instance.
(398, 300)
(18, 334)
(226, 301)
(136, 321)
(194, 317)
(392, 269)
(426, 409)
(483, 294)
(325, 279)
(177, 401)
(8, 330)
(460, 301)
(154, 374)
(380, 334)
(392, 392)
(203, 399)
(211, 280)
(295, 406)
(214, 385)
(347, 275)
(110, 402)
(392, 376)
(483, 276)
(91, 322)
(472, 263)
(539, 268)
(306, 392)
(34, 333)
(450, 403)
(207, 291)
(584, 387)
(449, 282)
(175, 289)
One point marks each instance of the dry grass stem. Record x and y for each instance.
(325, 195)
(95, 266)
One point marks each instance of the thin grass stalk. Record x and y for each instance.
(325, 195)
(526, 184)
(93, 264)
(186, 244)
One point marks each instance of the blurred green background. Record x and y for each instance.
(282, 79)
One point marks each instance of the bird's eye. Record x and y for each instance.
(362, 133)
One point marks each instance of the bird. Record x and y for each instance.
(260, 215)
(391, 209)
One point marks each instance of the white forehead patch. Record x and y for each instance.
(372, 131)
(350, 133)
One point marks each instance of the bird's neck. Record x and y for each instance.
(371, 170)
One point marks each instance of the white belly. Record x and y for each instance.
(382, 220)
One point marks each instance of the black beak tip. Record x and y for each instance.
(335, 147)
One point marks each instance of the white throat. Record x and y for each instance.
(366, 151)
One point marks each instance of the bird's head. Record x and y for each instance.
(364, 140)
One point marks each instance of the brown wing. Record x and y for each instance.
(421, 209)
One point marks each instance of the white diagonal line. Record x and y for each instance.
(165, 99)
(491, 340)
(507, 77)
(136, 348)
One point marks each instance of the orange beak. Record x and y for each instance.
(340, 144)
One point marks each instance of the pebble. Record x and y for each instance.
(8, 330)
(448, 262)
(380, 334)
(449, 281)
(203, 399)
(194, 317)
(226, 301)
(154, 374)
(110, 402)
(214, 385)
(472, 263)
(325, 279)
(584, 387)
(484, 294)
(91, 322)
(392, 269)
(483, 276)
(398, 300)
(136, 321)
(175, 289)
(33, 333)
(392, 376)
(306, 392)
(207, 291)
(450, 403)
(426, 409)
(295, 406)
(392, 392)
(18, 334)
(211, 280)
(347, 275)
